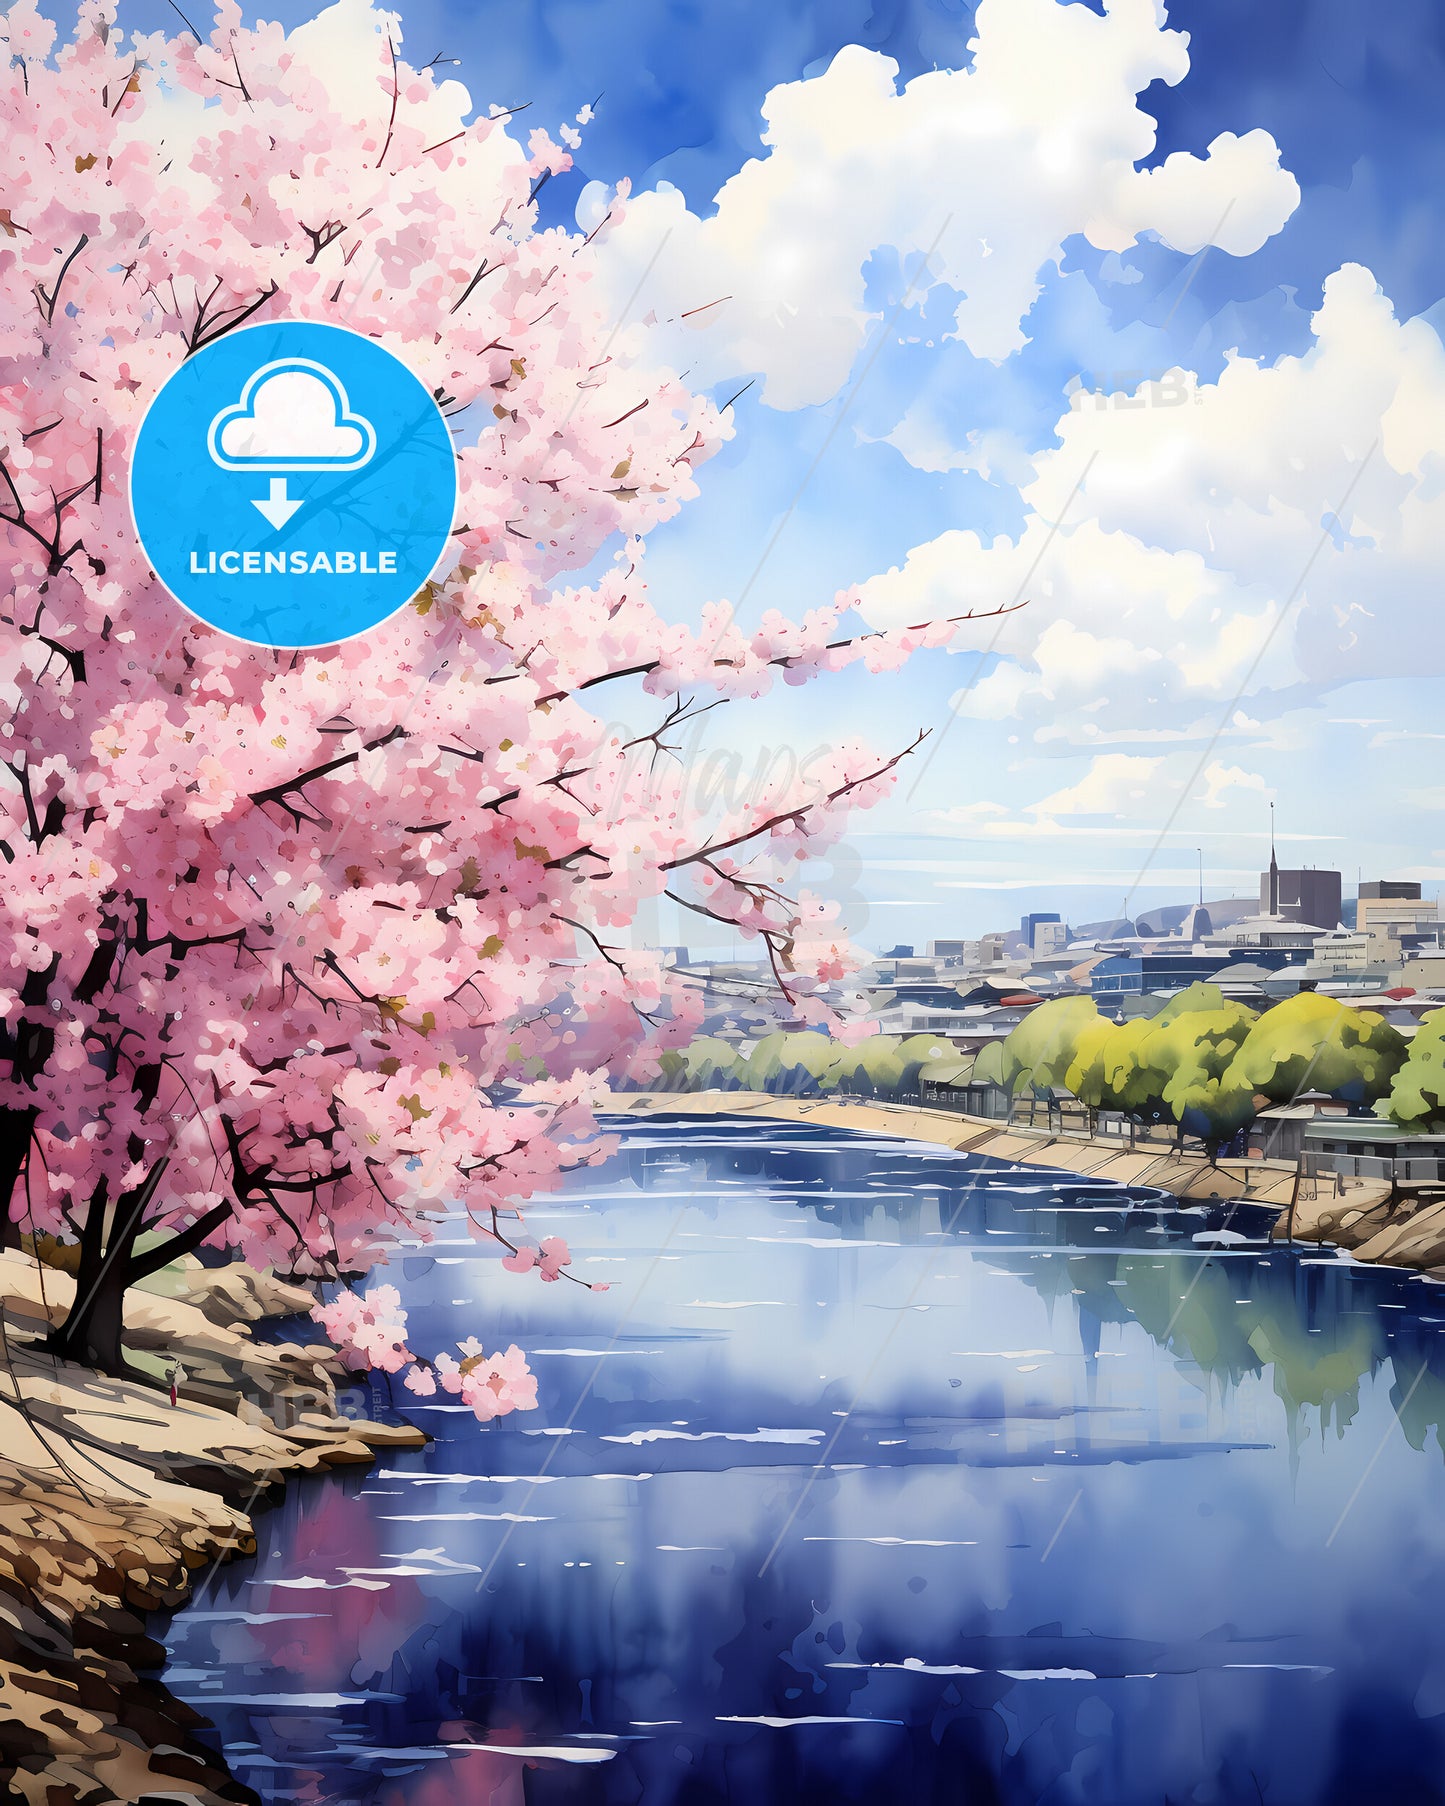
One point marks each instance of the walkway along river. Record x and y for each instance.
(1367, 1216)
(881, 1473)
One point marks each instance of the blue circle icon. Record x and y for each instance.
(293, 484)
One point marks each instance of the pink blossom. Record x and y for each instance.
(369, 1329)
(495, 1385)
(302, 927)
(554, 1255)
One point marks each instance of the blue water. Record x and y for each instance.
(880, 1474)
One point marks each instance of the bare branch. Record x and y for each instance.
(795, 816)
(481, 271)
(47, 302)
(395, 93)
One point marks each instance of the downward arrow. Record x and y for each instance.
(277, 507)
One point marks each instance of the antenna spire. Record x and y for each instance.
(1273, 868)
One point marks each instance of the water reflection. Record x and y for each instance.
(880, 1474)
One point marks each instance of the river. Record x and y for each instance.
(880, 1474)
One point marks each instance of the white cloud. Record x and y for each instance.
(1115, 784)
(1112, 625)
(1128, 786)
(986, 170)
(1163, 544)
(345, 48)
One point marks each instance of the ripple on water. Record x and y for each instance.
(1120, 1504)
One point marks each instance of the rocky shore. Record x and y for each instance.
(115, 1504)
(1393, 1232)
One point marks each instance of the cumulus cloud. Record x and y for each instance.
(985, 171)
(1125, 800)
(1127, 786)
(1277, 533)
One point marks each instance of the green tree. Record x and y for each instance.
(792, 1064)
(1312, 1043)
(1163, 1066)
(917, 1054)
(1043, 1046)
(707, 1064)
(1417, 1091)
(1110, 1069)
(871, 1068)
(1192, 1045)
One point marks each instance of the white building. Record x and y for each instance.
(1263, 934)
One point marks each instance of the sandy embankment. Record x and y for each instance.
(1359, 1216)
(113, 1504)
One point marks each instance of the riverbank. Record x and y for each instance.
(1359, 1216)
(115, 1504)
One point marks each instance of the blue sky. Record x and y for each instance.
(1231, 568)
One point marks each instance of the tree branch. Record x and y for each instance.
(48, 301)
(784, 660)
(766, 826)
(141, 1266)
(395, 92)
(277, 793)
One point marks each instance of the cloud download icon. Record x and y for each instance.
(293, 415)
(362, 444)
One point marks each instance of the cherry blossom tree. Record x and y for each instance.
(305, 950)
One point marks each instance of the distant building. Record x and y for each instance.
(1244, 981)
(915, 971)
(908, 981)
(1368, 1148)
(1030, 924)
(1050, 937)
(1247, 955)
(1306, 895)
(1342, 959)
(1390, 911)
(951, 949)
(1119, 975)
(1278, 1133)
(1269, 940)
(987, 950)
(1224, 910)
(1424, 970)
(1197, 923)
(1113, 929)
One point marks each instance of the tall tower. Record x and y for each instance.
(1273, 869)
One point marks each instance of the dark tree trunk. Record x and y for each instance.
(92, 1333)
(16, 1128)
